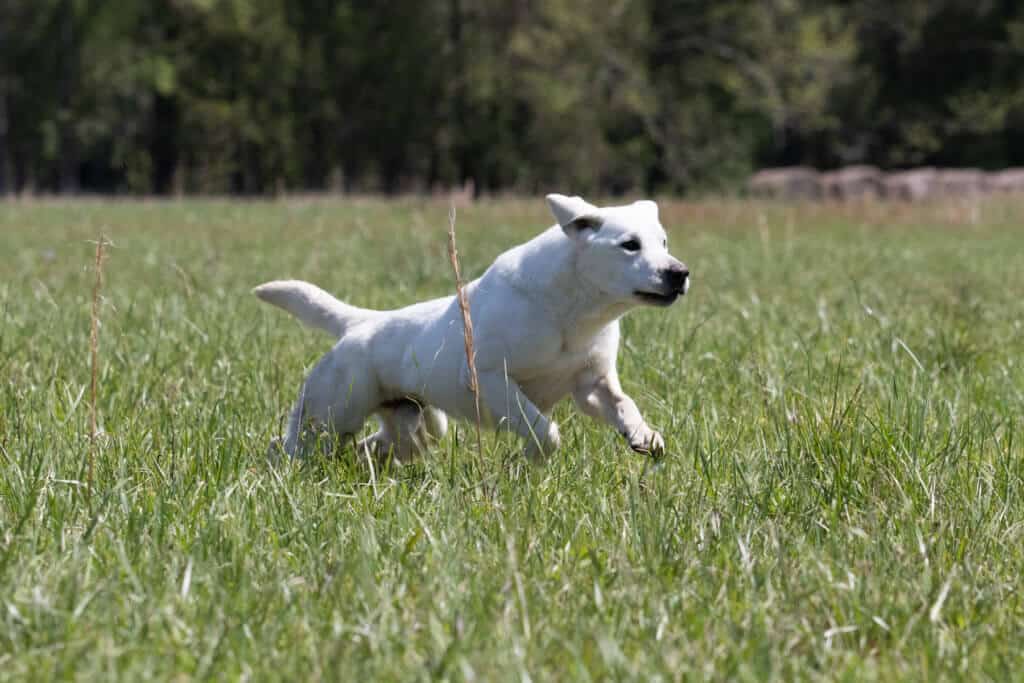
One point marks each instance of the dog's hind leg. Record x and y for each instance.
(383, 441)
(335, 401)
(406, 430)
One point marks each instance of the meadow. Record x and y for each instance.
(841, 394)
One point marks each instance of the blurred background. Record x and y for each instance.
(497, 96)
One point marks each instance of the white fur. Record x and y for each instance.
(545, 326)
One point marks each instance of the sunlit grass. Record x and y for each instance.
(841, 394)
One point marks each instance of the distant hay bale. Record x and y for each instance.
(791, 182)
(960, 182)
(857, 182)
(1010, 180)
(912, 185)
(864, 182)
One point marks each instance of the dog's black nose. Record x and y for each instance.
(675, 277)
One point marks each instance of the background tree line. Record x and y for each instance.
(260, 96)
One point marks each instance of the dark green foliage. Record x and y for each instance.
(262, 96)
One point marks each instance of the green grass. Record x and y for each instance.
(842, 396)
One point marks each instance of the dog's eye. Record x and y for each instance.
(664, 243)
(631, 245)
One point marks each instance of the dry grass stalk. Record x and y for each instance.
(94, 349)
(467, 325)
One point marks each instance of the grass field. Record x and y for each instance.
(842, 395)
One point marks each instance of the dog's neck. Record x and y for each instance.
(551, 260)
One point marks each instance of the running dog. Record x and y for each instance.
(545, 326)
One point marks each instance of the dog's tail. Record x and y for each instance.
(312, 305)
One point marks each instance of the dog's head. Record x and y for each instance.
(622, 250)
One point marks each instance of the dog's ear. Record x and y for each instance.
(648, 207)
(574, 214)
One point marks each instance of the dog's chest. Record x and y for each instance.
(546, 391)
(547, 382)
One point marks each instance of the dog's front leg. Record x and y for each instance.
(508, 406)
(602, 397)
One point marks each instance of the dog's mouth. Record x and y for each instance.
(656, 298)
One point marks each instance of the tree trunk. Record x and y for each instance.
(164, 144)
(165, 134)
(458, 105)
(4, 153)
(69, 152)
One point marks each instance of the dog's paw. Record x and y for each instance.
(647, 440)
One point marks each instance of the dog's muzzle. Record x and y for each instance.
(677, 281)
(677, 278)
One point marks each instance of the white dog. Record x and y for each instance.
(545, 325)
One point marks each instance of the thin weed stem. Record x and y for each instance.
(467, 325)
(94, 352)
